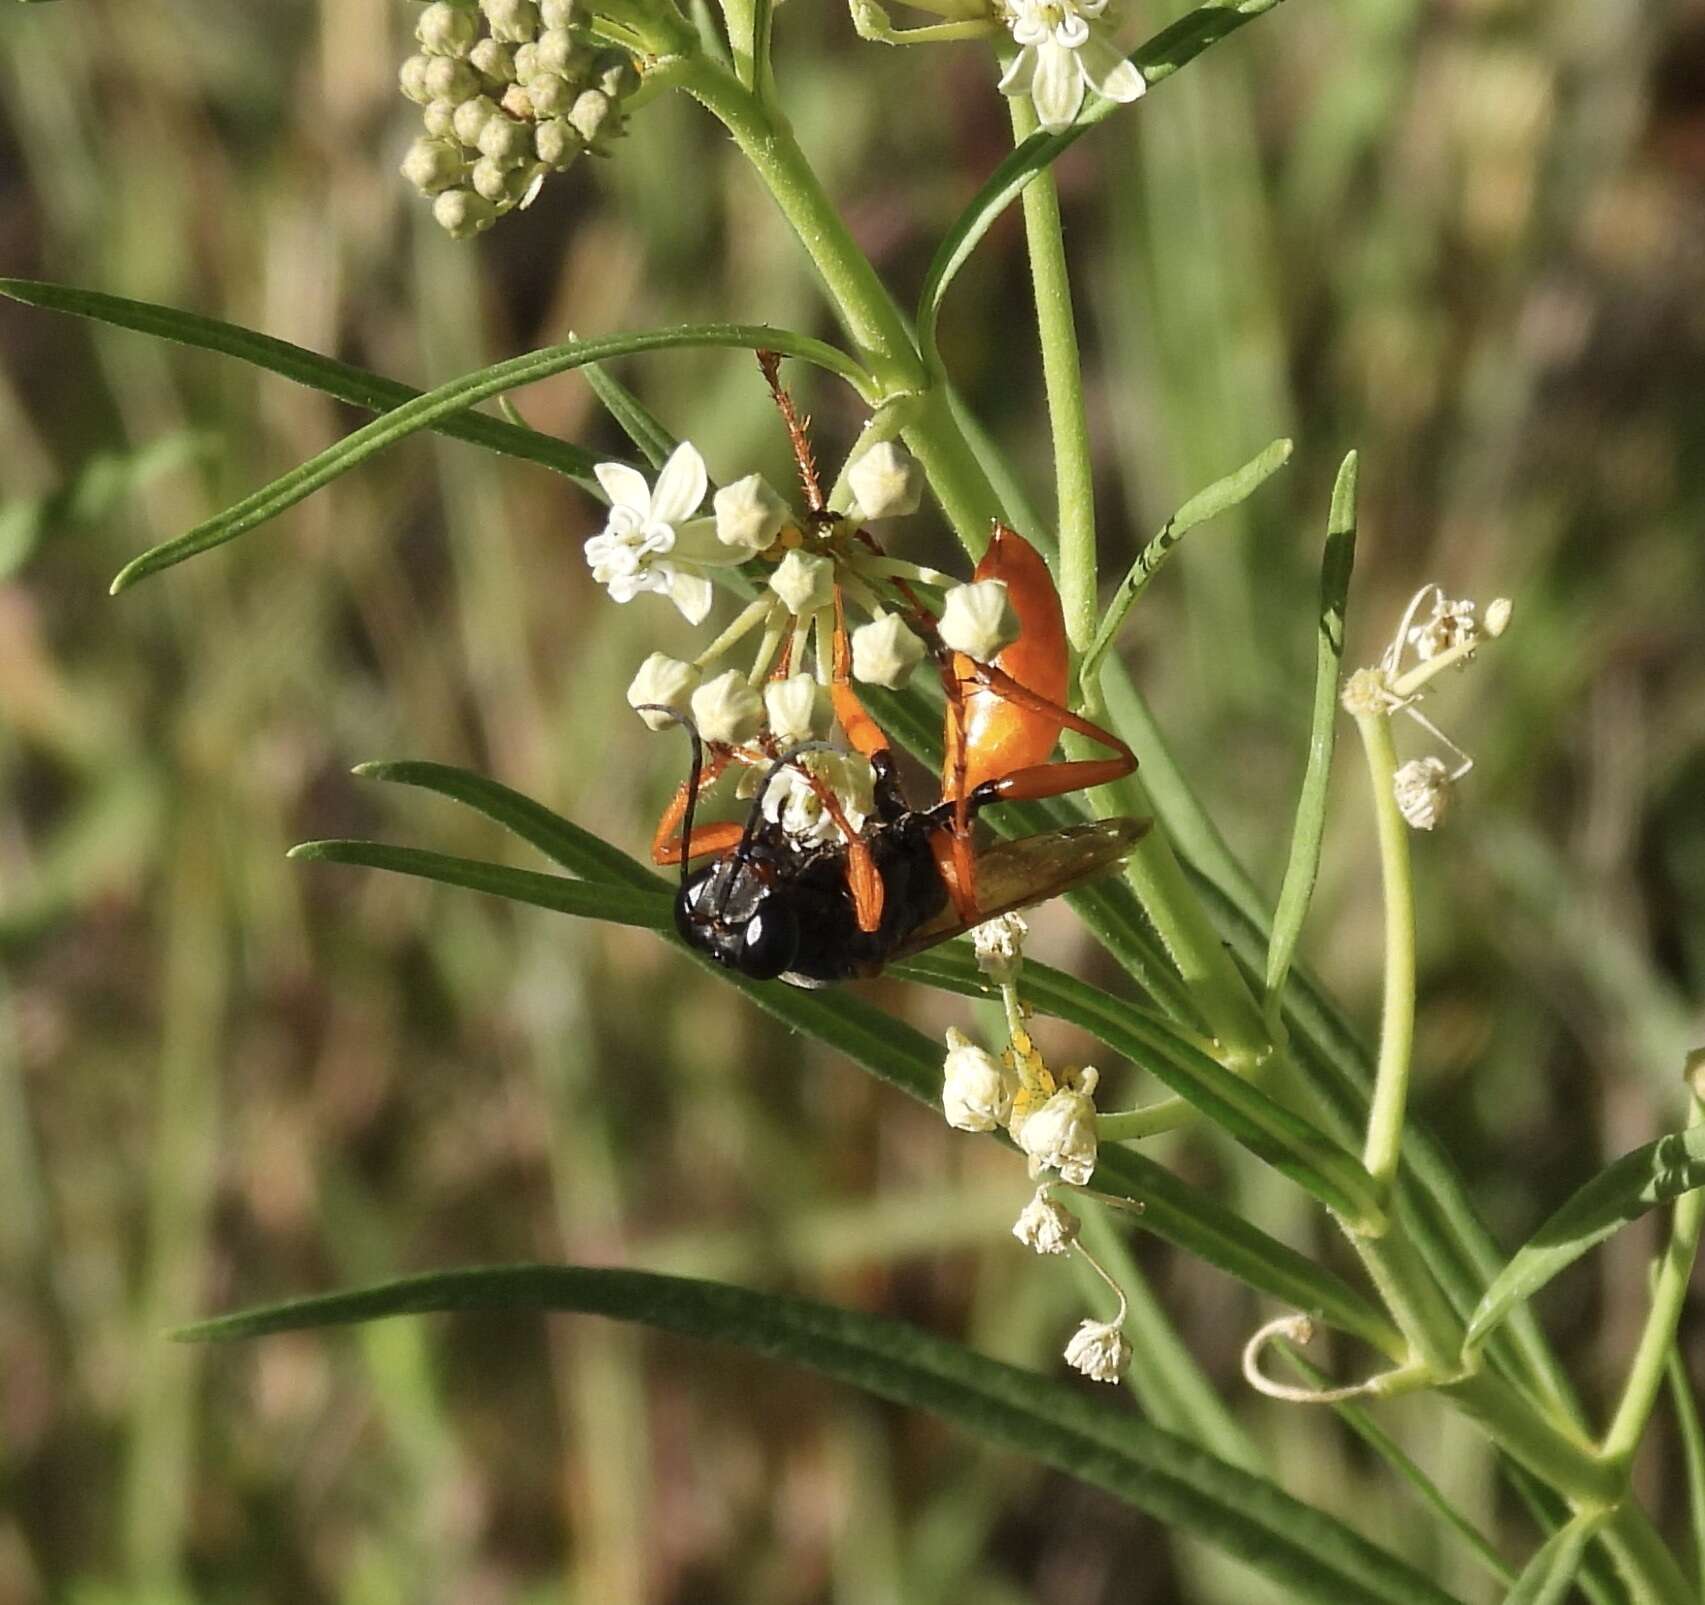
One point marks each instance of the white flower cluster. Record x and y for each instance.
(660, 538)
(509, 91)
(1056, 1131)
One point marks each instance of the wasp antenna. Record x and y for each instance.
(798, 431)
(693, 774)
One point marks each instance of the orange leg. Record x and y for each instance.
(668, 848)
(1035, 781)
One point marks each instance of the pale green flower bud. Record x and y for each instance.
(461, 213)
(450, 79)
(556, 13)
(491, 180)
(592, 113)
(505, 141)
(558, 143)
(557, 52)
(805, 581)
(526, 63)
(433, 164)
(494, 62)
(886, 482)
(749, 515)
(411, 77)
(978, 620)
(617, 75)
(518, 101)
(471, 117)
(513, 22)
(727, 709)
(551, 96)
(1498, 612)
(446, 30)
(440, 119)
(791, 705)
(884, 652)
(662, 679)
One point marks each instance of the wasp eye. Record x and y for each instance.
(769, 942)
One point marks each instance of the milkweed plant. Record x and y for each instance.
(807, 606)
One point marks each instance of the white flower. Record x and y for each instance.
(999, 945)
(1063, 50)
(976, 1093)
(1061, 1134)
(651, 541)
(886, 482)
(1046, 1226)
(1099, 1350)
(978, 620)
(790, 704)
(1452, 624)
(1422, 789)
(791, 801)
(749, 515)
(884, 652)
(662, 680)
(805, 581)
(727, 709)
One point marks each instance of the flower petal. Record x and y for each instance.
(1017, 78)
(625, 486)
(697, 542)
(680, 487)
(1110, 73)
(692, 594)
(1057, 90)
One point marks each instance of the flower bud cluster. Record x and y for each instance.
(509, 91)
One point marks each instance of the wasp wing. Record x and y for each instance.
(1032, 869)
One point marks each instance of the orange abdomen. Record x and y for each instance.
(1000, 737)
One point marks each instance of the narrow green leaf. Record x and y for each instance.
(1622, 1192)
(1693, 1456)
(557, 838)
(1063, 1426)
(618, 905)
(1362, 1423)
(340, 379)
(1304, 862)
(1219, 497)
(459, 394)
(1156, 58)
(1599, 1577)
(892, 1050)
(633, 417)
(1546, 1578)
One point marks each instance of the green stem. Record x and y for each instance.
(1397, 1019)
(1062, 379)
(1149, 1120)
(1657, 1340)
(866, 310)
(1652, 1571)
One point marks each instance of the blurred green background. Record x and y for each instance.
(1467, 238)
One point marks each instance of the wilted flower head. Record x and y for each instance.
(1098, 1349)
(1422, 788)
(976, 1093)
(1452, 624)
(1060, 1135)
(1045, 1225)
(999, 946)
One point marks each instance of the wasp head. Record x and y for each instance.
(736, 913)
